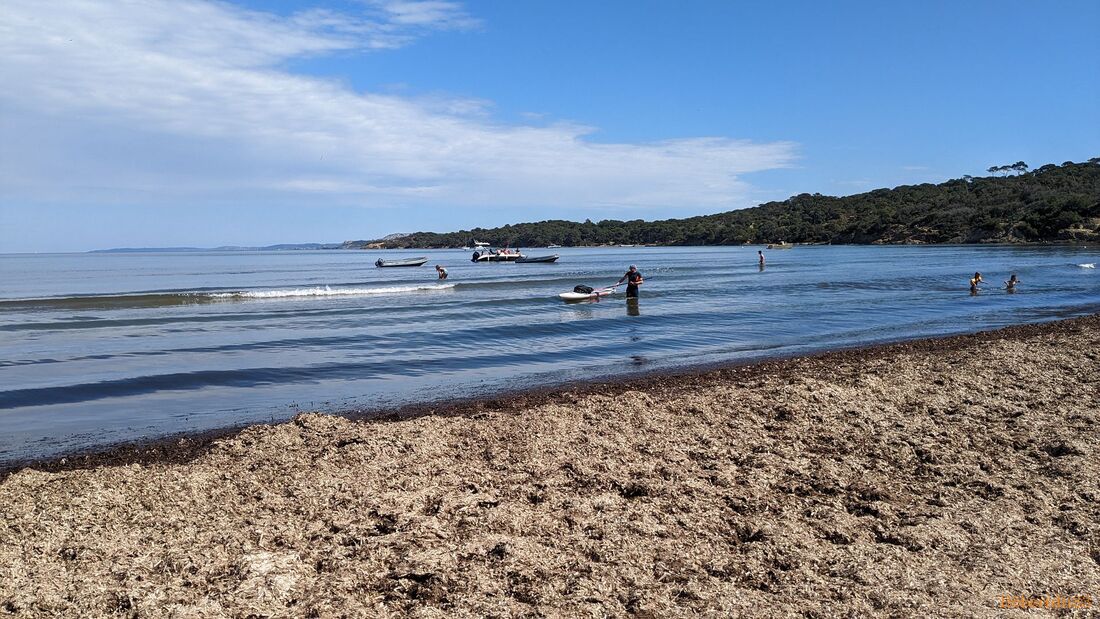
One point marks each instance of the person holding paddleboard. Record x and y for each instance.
(633, 279)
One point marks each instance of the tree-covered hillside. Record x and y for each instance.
(1051, 203)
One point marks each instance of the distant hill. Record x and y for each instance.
(1054, 203)
(293, 246)
(281, 247)
(139, 250)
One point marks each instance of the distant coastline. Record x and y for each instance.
(279, 247)
(351, 245)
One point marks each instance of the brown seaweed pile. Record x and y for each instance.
(924, 478)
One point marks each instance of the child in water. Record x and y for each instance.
(1010, 285)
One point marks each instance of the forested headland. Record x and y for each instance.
(1053, 203)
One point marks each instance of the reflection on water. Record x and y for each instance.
(102, 347)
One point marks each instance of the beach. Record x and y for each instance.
(933, 477)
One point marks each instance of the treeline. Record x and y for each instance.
(1050, 203)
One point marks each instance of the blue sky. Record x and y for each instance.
(189, 122)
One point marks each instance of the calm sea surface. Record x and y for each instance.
(101, 348)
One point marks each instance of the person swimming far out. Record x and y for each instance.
(1010, 283)
(633, 279)
(974, 281)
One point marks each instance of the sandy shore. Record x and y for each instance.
(930, 477)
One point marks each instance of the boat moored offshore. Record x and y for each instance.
(496, 255)
(401, 262)
(533, 259)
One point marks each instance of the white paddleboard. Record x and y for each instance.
(585, 296)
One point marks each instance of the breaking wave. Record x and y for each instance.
(163, 299)
(327, 291)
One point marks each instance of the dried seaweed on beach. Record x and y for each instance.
(928, 478)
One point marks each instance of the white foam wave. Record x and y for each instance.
(327, 291)
(1088, 265)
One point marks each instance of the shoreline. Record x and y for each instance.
(140, 250)
(182, 447)
(935, 477)
(1055, 243)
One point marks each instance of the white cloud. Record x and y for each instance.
(167, 101)
(428, 13)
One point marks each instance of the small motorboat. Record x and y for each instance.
(401, 262)
(496, 255)
(780, 245)
(542, 259)
(553, 246)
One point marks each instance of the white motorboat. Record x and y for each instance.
(496, 255)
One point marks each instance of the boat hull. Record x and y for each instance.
(407, 262)
(491, 257)
(537, 259)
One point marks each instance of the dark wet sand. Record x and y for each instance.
(928, 477)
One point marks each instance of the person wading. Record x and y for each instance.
(633, 279)
(974, 281)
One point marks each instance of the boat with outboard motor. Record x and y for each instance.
(401, 262)
(496, 255)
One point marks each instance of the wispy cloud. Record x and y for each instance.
(171, 101)
(428, 13)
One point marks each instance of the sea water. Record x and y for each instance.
(100, 348)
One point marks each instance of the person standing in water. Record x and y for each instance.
(442, 272)
(1010, 285)
(633, 279)
(974, 281)
(761, 254)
